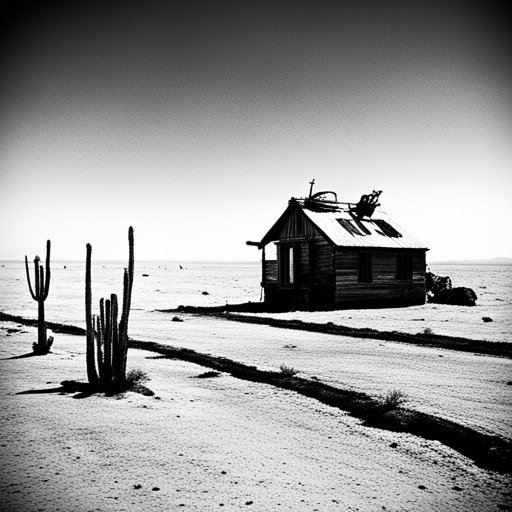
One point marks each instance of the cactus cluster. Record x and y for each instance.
(107, 341)
(42, 287)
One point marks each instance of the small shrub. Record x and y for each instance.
(394, 399)
(177, 319)
(428, 330)
(288, 371)
(487, 319)
(136, 378)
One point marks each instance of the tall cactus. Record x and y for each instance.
(107, 341)
(92, 374)
(42, 287)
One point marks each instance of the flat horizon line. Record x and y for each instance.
(489, 261)
(496, 260)
(112, 260)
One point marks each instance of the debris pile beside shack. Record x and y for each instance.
(440, 291)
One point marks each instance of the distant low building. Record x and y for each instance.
(324, 254)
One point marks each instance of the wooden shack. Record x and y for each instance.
(324, 254)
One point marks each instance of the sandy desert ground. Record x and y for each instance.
(440, 319)
(219, 443)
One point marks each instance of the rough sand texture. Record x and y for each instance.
(207, 444)
(459, 386)
(441, 319)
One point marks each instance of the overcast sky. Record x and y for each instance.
(195, 122)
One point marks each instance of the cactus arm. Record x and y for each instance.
(123, 324)
(131, 263)
(37, 279)
(102, 340)
(107, 355)
(41, 284)
(28, 279)
(47, 282)
(92, 374)
(99, 345)
(127, 288)
(117, 349)
(131, 267)
(88, 292)
(102, 318)
(127, 297)
(126, 292)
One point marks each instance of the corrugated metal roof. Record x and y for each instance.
(343, 230)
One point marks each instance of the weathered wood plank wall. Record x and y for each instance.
(271, 271)
(385, 287)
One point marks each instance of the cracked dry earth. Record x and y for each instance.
(206, 444)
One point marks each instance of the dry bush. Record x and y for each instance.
(394, 399)
(288, 371)
(136, 378)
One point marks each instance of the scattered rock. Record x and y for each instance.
(177, 319)
(460, 296)
(145, 275)
(206, 293)
(208, 375)
(393, 445)
(487, 319)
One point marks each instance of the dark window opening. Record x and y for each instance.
(387, 229)
(365, 268)
(352, 228)
(286, 265)
(404, 267)
(362, 227)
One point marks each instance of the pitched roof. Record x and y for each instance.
(343, 229)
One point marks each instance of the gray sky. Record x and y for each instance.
(195, 122)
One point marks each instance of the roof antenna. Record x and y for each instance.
(311, 188)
